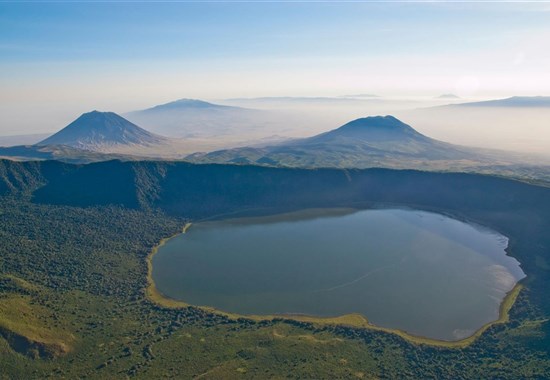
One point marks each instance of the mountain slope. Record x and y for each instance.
(369, 130)
(197, 118)
(515, 101)
(181, 104)
(100, 131)
(365, 142)
(219, 189)
(517, 124)
(61, 153)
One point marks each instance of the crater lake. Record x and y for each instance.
(421, 272)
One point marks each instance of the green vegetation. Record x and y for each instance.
(73, 267)
(24, 327)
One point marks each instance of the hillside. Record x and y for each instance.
(197, 118)
(214, 189)
(62, 153)
(367, 142)
(100, 131)
(515, 101)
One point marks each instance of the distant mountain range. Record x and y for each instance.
(366, 142)
(448, 96)
(379, 141)
(515, 101)
(366, 96)
(186, 104)
(305, 99)
(101, 131)
(197, 118)
(95, 133)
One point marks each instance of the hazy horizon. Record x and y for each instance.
(61, 59)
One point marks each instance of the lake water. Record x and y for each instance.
(420, 272)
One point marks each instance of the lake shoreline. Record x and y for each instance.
(354, 320)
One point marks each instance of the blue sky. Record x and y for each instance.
(81, 55)
(168, 31)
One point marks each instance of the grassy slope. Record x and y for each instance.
(26, 328)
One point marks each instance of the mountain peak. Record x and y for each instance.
(386, 123)
(95, 114)
(184, 103)
(96, 130)
(372, 128)
(448, 96)
(366, 142)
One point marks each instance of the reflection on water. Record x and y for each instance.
(421, 272)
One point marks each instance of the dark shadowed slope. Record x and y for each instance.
(98, 131)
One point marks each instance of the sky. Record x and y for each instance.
(59, 59)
